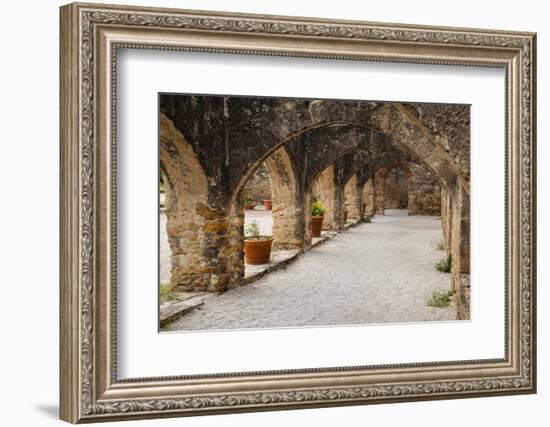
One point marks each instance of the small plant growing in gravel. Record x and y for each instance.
(444, 265)
(317, 209)
(440, 299)
(166, 292)
(440, 245)
(252, 232)
(367, 219)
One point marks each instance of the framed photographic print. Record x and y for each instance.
(265, 212)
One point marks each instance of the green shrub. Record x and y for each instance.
(367, 219)
(166, 292)
(440, 299)
(444, 265)
(317, 209)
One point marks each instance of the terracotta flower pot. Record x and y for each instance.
(345, 215)
(267, 205)
(257, 251)
(316, 226)
(250, 206)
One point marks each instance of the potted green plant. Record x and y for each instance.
(257, 248)
(267, 204)
(249, 203)
(317, 215)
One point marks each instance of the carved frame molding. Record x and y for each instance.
(90, 36)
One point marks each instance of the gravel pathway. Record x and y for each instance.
(373, 273)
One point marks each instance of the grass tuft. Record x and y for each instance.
(444, 265)
(166, 292)
(440, 299)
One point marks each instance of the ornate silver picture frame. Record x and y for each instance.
(91, 390)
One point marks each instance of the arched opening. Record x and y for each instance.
(192, 229)
(425, 192)
(269, 200)
(256, 197)
(214, 148)
(396, 191)
(405, 188)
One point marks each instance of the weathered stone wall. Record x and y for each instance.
(203, 254)
(396, 191)
(211, 145)
(233, 135)
(446, 216)
(258, 186)
(406, 185)
(287, 202)
(368, 197)
(424, 196)
(352, 199)
(379, 192)
(460, 251)
(324, 191)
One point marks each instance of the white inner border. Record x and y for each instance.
(143, 352)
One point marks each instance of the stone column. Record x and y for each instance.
(287, 202)
(446, 214)
(204, 237)
(460, 251)
(206, 248)
(353, 202)
(368, 197)
(379, 178)
(424, 192)
(330, 195)
(307, 221)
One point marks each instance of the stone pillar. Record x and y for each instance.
(424, 192)
(353, 201)
(205, 241)
(460, 251)
(206, 248)
(287, 202)
(379, 192)
(446, 214)
(368, 197)
(330, 195)
(307, 221)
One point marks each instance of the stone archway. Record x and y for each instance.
(406, 185)
(396, 188)
(194, 230)
(224, 137)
